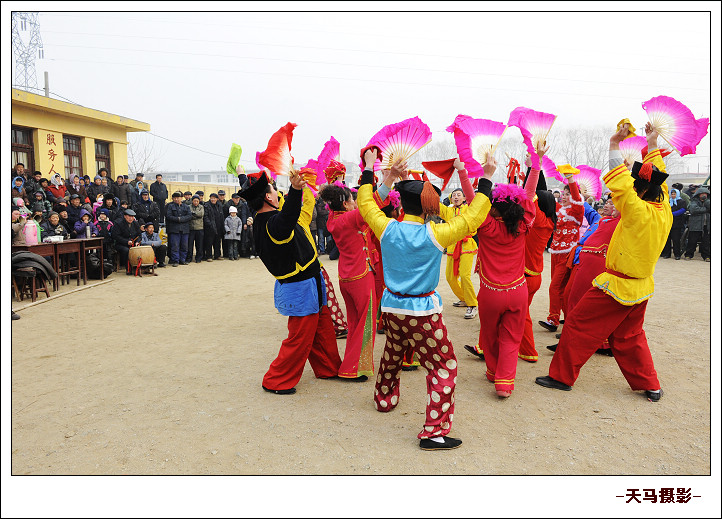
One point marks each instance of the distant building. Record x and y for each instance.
(53, 136)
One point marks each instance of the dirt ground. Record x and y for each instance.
(162, 376)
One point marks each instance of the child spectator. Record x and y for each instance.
(41, 204)
(234, 228)
(83, 223)
(18, 190)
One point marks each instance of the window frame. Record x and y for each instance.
(18, 147)
(72, 153)
(102, 160)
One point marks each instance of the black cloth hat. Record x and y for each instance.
(129, 212)
(655, 176)
(236, 195)
(177, 193)
(139, 175)
(255, 186)
(410, 191)
(187, 193)
(144, 192)
(213, 195)
(74, 195)
(199, 192)
(195, 197)
(221, 192)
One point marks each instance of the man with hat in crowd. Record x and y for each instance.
(96, 188)
(177, 224)
(138, 178)
(121, 190)
(200, 194)
(126, 234)
(613, 307)
(213, 228)
(147, 210)
(284, 244)
(74, 210)
(159, 192)
(411, 307)
(187, 197)
(195, 236)
(150, 237)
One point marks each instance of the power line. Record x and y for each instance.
(515, 76)
(354, 79)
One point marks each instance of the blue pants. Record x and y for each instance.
(178, 247)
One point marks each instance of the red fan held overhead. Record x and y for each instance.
(443, 169)
(398, 141)
(277, 157)
(476, 141)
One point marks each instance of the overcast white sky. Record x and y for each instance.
(212, 78)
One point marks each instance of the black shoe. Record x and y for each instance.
(198, 261)
(430, 445)
(553, 347)
(360, 378)
(677, 257)
(15, 316)
(473, 351)
(654, 397)
(174, 264)
(548, 326)
(605, 351)
(554, 384)
(342, 334)
(161, 265)
(128, 273)
(380, 331)
(185, 263)
(280, 391)
(665, 257)
(558, 335)
(409, 368)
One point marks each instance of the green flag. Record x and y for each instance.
(233, 159)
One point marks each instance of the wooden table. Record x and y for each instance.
(42, 249)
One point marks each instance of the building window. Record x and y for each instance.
(73, 156)
(223, 179)
(188, 178)
(22, 148)
(204, 178)
(102, 156)
(171, 178)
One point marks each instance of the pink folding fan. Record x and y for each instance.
(676, 123)
(631, 149)
(534, 127)
(476, 141)
(399, 141)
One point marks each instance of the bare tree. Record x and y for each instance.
(143, 157)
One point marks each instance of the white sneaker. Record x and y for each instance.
(470, 312)
(459, 303)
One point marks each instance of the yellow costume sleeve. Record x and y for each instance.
(466, 223)
(370, 211)
(446, 212)
(308, 201)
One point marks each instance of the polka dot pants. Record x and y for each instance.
(427, 336)
(339, 321)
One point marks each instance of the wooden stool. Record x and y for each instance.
(28, 284)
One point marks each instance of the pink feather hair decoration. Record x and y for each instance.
(476, 140)
(676, 123)
(508, 193)
(395, 199)
(399, 141)
(534, 126)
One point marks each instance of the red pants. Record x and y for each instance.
(503, 313)
(339, 321)
(427, 334)
(360, 298)
(560, 276)
(589, 267)
(309, 337)
(527, 348)
(596, 317)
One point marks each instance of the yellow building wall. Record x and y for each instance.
(50, 119)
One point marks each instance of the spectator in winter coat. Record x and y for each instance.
(85, 222)
(187, 198)
(96, 188)
(18, 190)
(63, 214)
(150, 237)
(105, 230)
(121, 190)
(699, 224)
(195, 236)
(679, 187)
(41, 202)
(110, 203)
(213, 230)
(679, 208)
(233, 227)
(146, 210)
(74, 210)
(53, 227)
(126, 233)
(57, 187)
(134, 183)
(321, 219)
(159, 192)
(60, 204)
(77, 187)
(177, 221)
